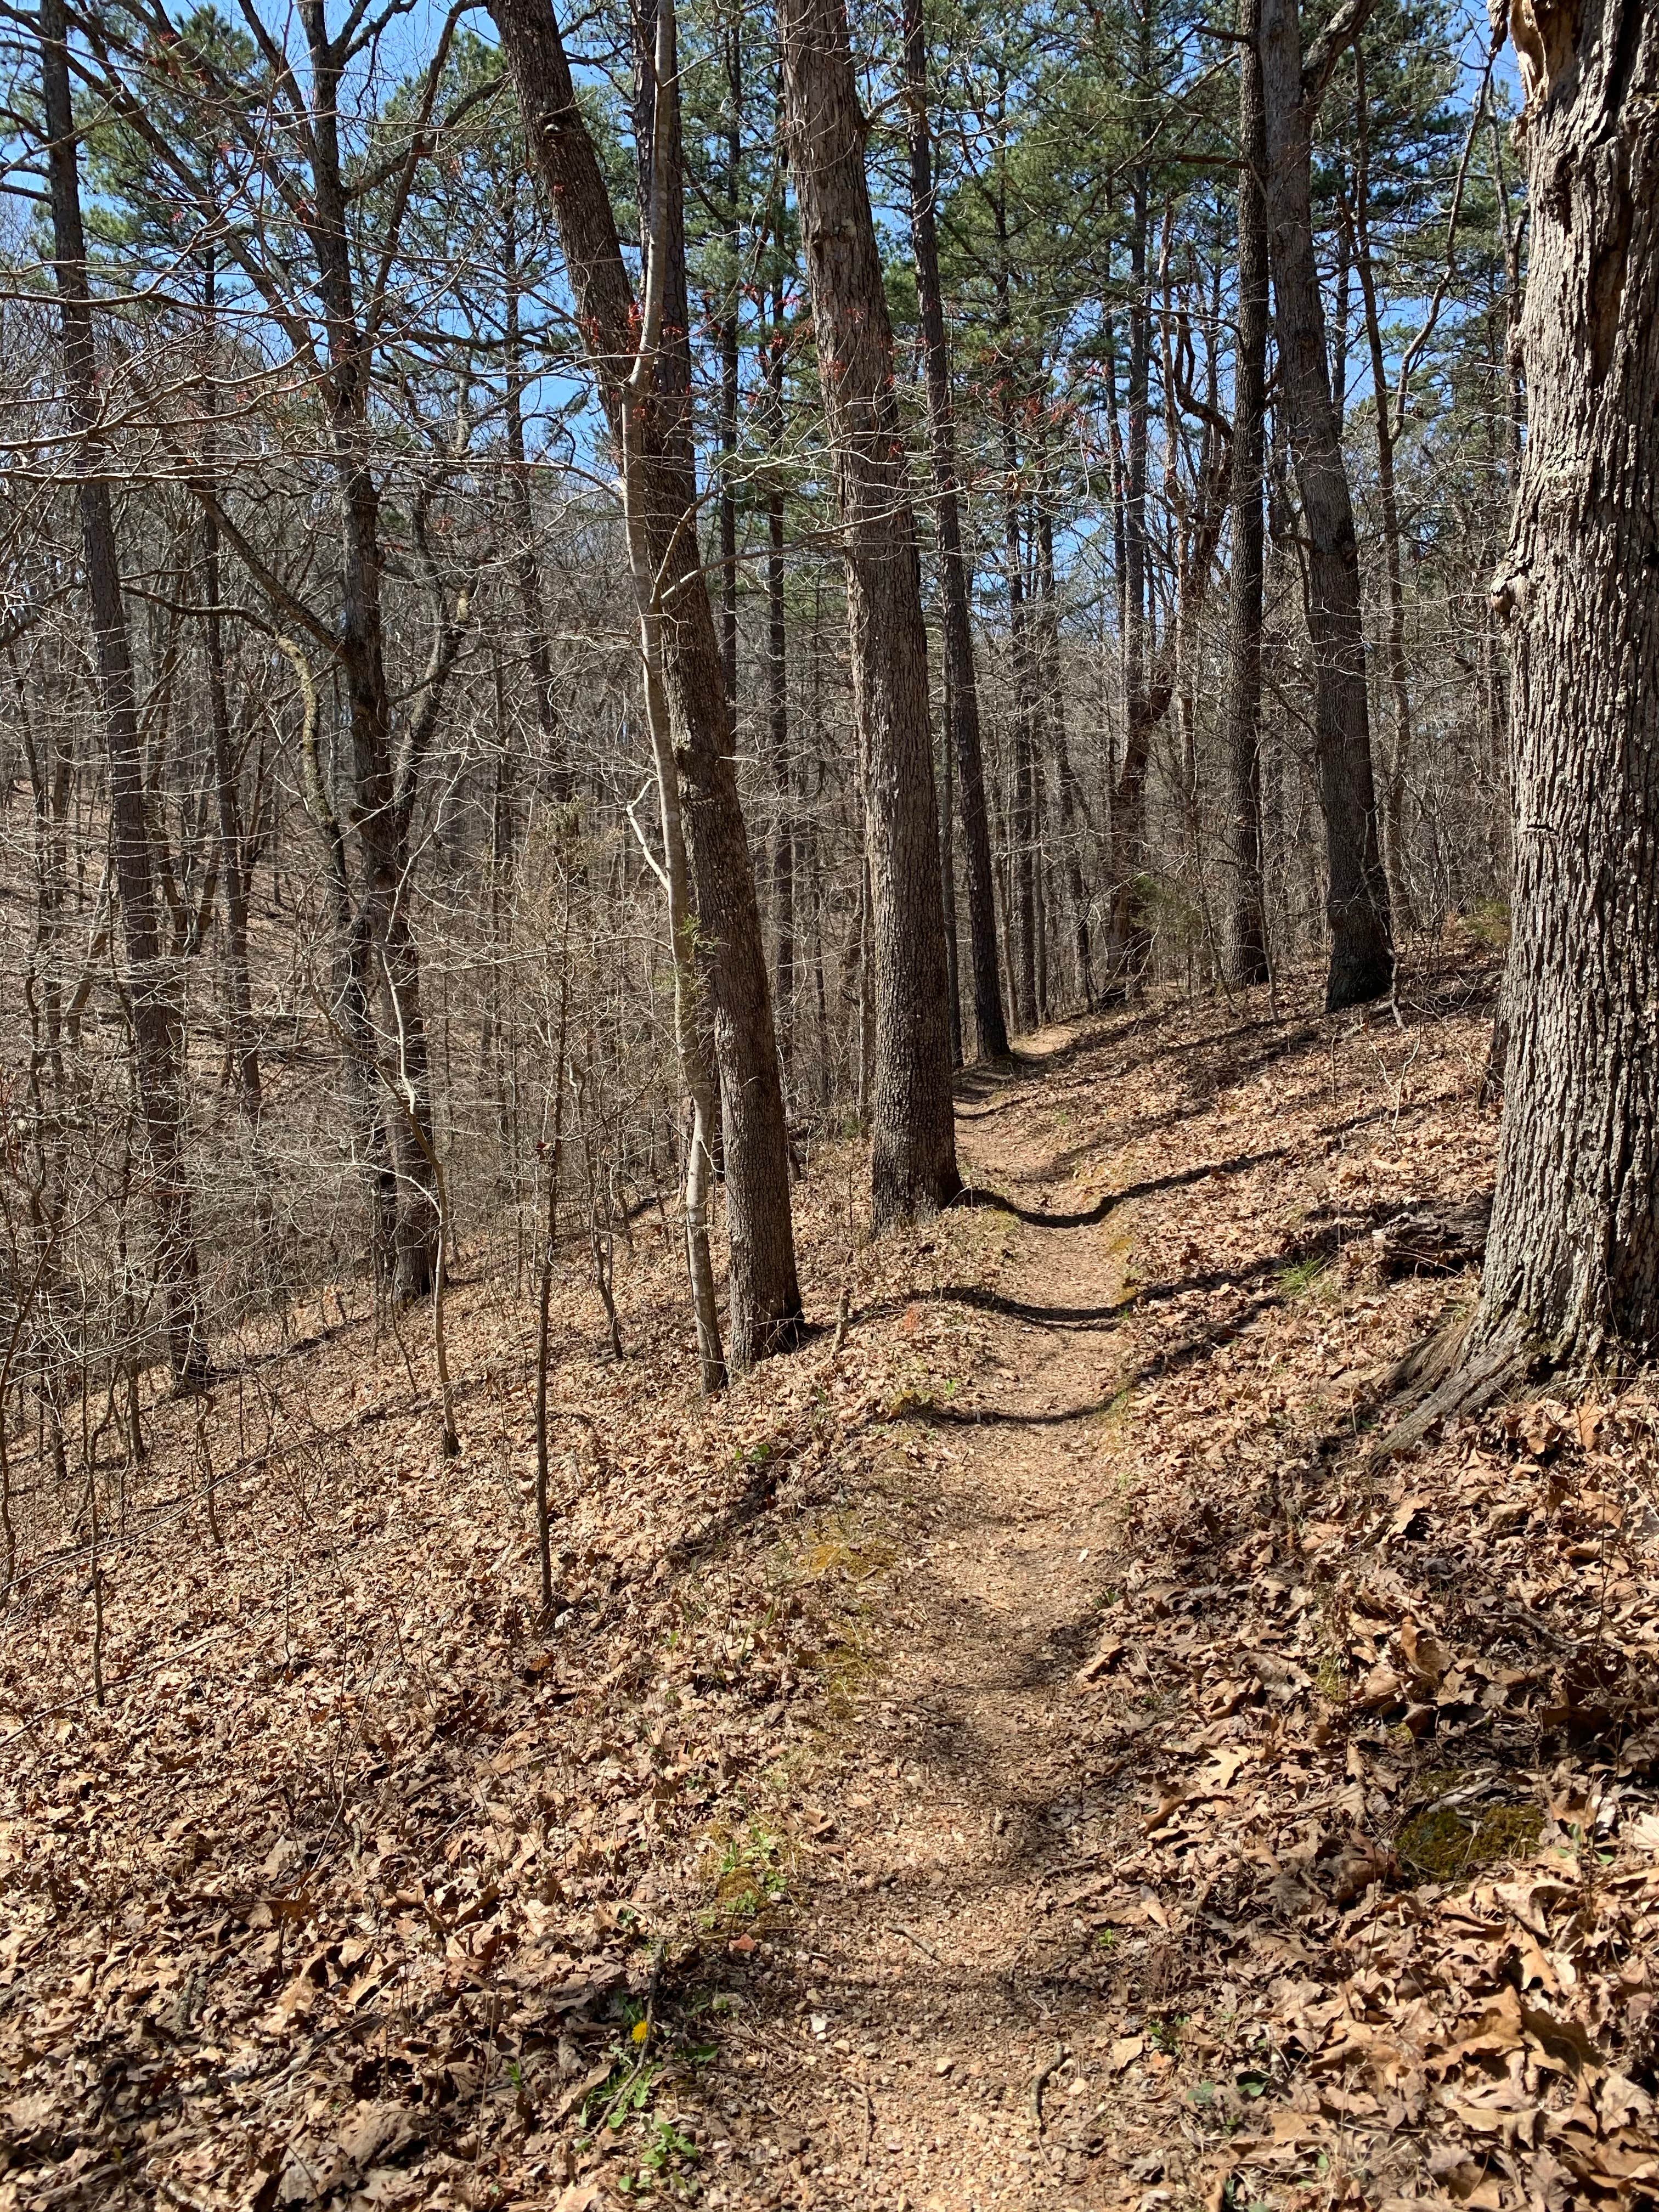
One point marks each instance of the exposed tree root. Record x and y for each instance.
(1449, 1374)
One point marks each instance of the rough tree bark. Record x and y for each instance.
(1572, 1263)
(1245, 937)
(962, 687)
(914, 1160)
(765, 1295)
(1356, 895)
(157, 1043)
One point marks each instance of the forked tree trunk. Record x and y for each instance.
(962, 688)
(1573, 1258)
(765, 1295)
(157, 1040)
(1245, 947)
(913, 1162)
(1357, 893)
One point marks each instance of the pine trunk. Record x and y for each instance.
(961, 683)
(765, 1294)
(914, 1163)
(1357, 891)
(157, 1043)
(1245, 950)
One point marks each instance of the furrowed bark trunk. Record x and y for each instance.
(1245, 936)
(1572, 1261)
(913, 1162)
(765, 1294)
(1356, 895)
(158, 1046)
(991, 1027)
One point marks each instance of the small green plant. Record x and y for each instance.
(1299, 1277)
(1165, 2034)
(1489, 923)
(667, 2155)
(749, 1872)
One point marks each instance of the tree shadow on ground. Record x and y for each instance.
(977, 1196)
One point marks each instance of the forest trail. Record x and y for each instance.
(1014, 1752)
(938, 2064)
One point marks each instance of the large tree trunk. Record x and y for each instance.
(1245, 946)
(158, 1047)
(1573, 1258)
(913, 1164)
(765, 1294)
(960, 684)
(1361, 952)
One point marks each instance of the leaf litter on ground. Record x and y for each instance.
(365, 1887)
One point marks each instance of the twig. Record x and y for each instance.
(1045, 2073)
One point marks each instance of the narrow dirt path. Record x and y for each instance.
(916, 2054)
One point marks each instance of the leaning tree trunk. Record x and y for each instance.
(961, 685)
(1572, 1263)
(157, 1045)
(913, 1164)
(765, 1295)
(1245, 951)
(1362, 950)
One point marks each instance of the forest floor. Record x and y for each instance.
(1025, 1753)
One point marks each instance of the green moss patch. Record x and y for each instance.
(1442, 1843)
